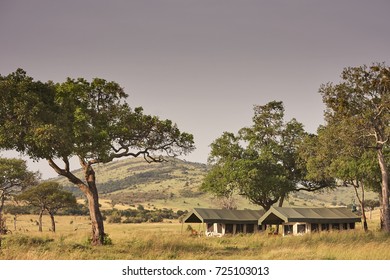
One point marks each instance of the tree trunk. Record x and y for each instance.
(361, 202)
(365, 226)
(40, 221)
(2, 199)
(385, 190)
(91, 193)
(96, 217)
(2, 225)
(380, 211)
(15, 219)
(53, 223)
(281, 200)
(93, 205)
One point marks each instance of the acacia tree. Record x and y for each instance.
(329, 159)
(14, 176)
(87, 120)
(362, 100)
(261, 162)
(50, 197)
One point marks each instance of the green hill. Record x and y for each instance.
(175, 184)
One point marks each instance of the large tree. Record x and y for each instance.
(50, 197)
(260, 162)
(362, 100)
(87, 120)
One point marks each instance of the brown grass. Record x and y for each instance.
(167, 241)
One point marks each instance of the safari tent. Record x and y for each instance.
(305, 220)
(219, 222)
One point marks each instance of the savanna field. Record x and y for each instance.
(171, 241)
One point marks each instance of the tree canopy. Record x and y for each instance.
(14, 177)
(358, 119)
(88, 120)
(50, 197)
(262, 161)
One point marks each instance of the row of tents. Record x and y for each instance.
(293, 221)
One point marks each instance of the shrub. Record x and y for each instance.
(114, 218)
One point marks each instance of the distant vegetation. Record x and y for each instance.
(141, 215)
(173, 184)
(176, 185)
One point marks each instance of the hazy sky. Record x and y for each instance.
(202, 64)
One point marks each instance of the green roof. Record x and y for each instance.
(277, 215)
(203, 215)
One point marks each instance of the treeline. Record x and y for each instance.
(141, 215)
(80, 210)
(128, 216)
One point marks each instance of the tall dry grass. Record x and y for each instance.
(168, 241)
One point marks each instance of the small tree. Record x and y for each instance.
(371, 204)
(50, 197)
(14, 177)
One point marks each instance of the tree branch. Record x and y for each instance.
(69, 175)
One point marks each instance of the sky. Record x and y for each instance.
(202, 64)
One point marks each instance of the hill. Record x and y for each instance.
(175, 184)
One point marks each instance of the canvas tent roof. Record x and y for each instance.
(203, 215)
(277, 215)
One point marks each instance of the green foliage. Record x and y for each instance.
(14, 177)
(358, 114)
(107, 241)
(261, 161)
(114, 218)
(77, 210)
(353, 146)
(77, 117)
(89, 120)
(19, 209)
(141, 215)
(48, 196)
(371, 203)
(25, 240)
(140, 207)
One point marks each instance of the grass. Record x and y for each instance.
(166, 241)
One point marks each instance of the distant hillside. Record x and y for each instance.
(175, 184)
(130, 182)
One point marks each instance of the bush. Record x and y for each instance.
(140, 208)
(141, 215)
(133, 220)
(80, 210)
(25, 240)
(114, 218)
(19, 210)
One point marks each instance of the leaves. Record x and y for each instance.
(90, 120)
(48, 196)
(260, 162)
(356, 131)
(14, 176)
